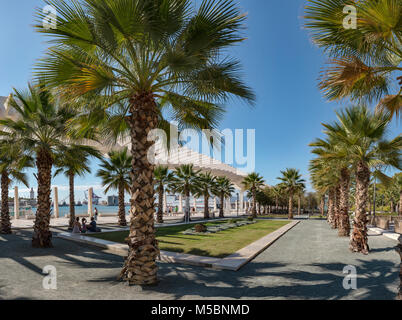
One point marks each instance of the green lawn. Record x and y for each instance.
(218, 245)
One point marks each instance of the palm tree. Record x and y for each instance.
(115, 174)
(291, 183)
(253, 183)
(362, 134)
(223, 189)
(185, 183)
(163, 177)
(277, 194)
(73, 161)
(41, 129)
(204, 184)
(12, 164)
(364, 59)
(333, 155)
(325, 179)
(154, 56)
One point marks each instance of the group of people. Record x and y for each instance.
(83, 227)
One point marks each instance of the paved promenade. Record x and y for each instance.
(306, 263)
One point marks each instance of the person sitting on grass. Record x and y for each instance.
(92, 226)
(77, 226)
(84, 226)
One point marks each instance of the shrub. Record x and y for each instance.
(200, 228)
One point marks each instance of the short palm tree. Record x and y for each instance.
(185, 183)
(12, 164)
(204, 184)
(363, 134)
(253, 183)
(157, 58)
(365, 58)
(223, 189)
(40, 129)
(73, 161)
(162, 177)
(115, 174)
(291, 183)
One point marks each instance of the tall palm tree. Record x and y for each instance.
(223, 189)
(253, 183)
(363, 134)
(162, 177)
(155, 56)
(73, 161)
(204, 184)
(41, 129)
(185, 183)
(12, 164)
(364, 59)
(291, 182)
(115, 174)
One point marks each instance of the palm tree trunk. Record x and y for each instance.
(359, 240)
(187, 215)
(331, 207)
(344, 220)
(221, 211)
(337, 206)
(140, 265)
(42, 237)
(206, 206)
(299, 205)
(254, 215)
(291, 206)
(400, 203)
(322, 206)
(122, 208)
(5, 227)
(72, 201)
(159, 216)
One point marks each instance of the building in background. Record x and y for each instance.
(112, 201)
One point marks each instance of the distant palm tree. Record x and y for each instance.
(223, 189)
(205, 183)
(12, 164)
(253, 183)
(73, 161)
(163, 177)
(41, 129)
(364, 59)
(159, 58)
(292, 182)
(185, 183)
(115, 174)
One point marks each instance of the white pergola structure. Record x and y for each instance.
(173, 159)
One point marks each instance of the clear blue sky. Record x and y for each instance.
(280, 64)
